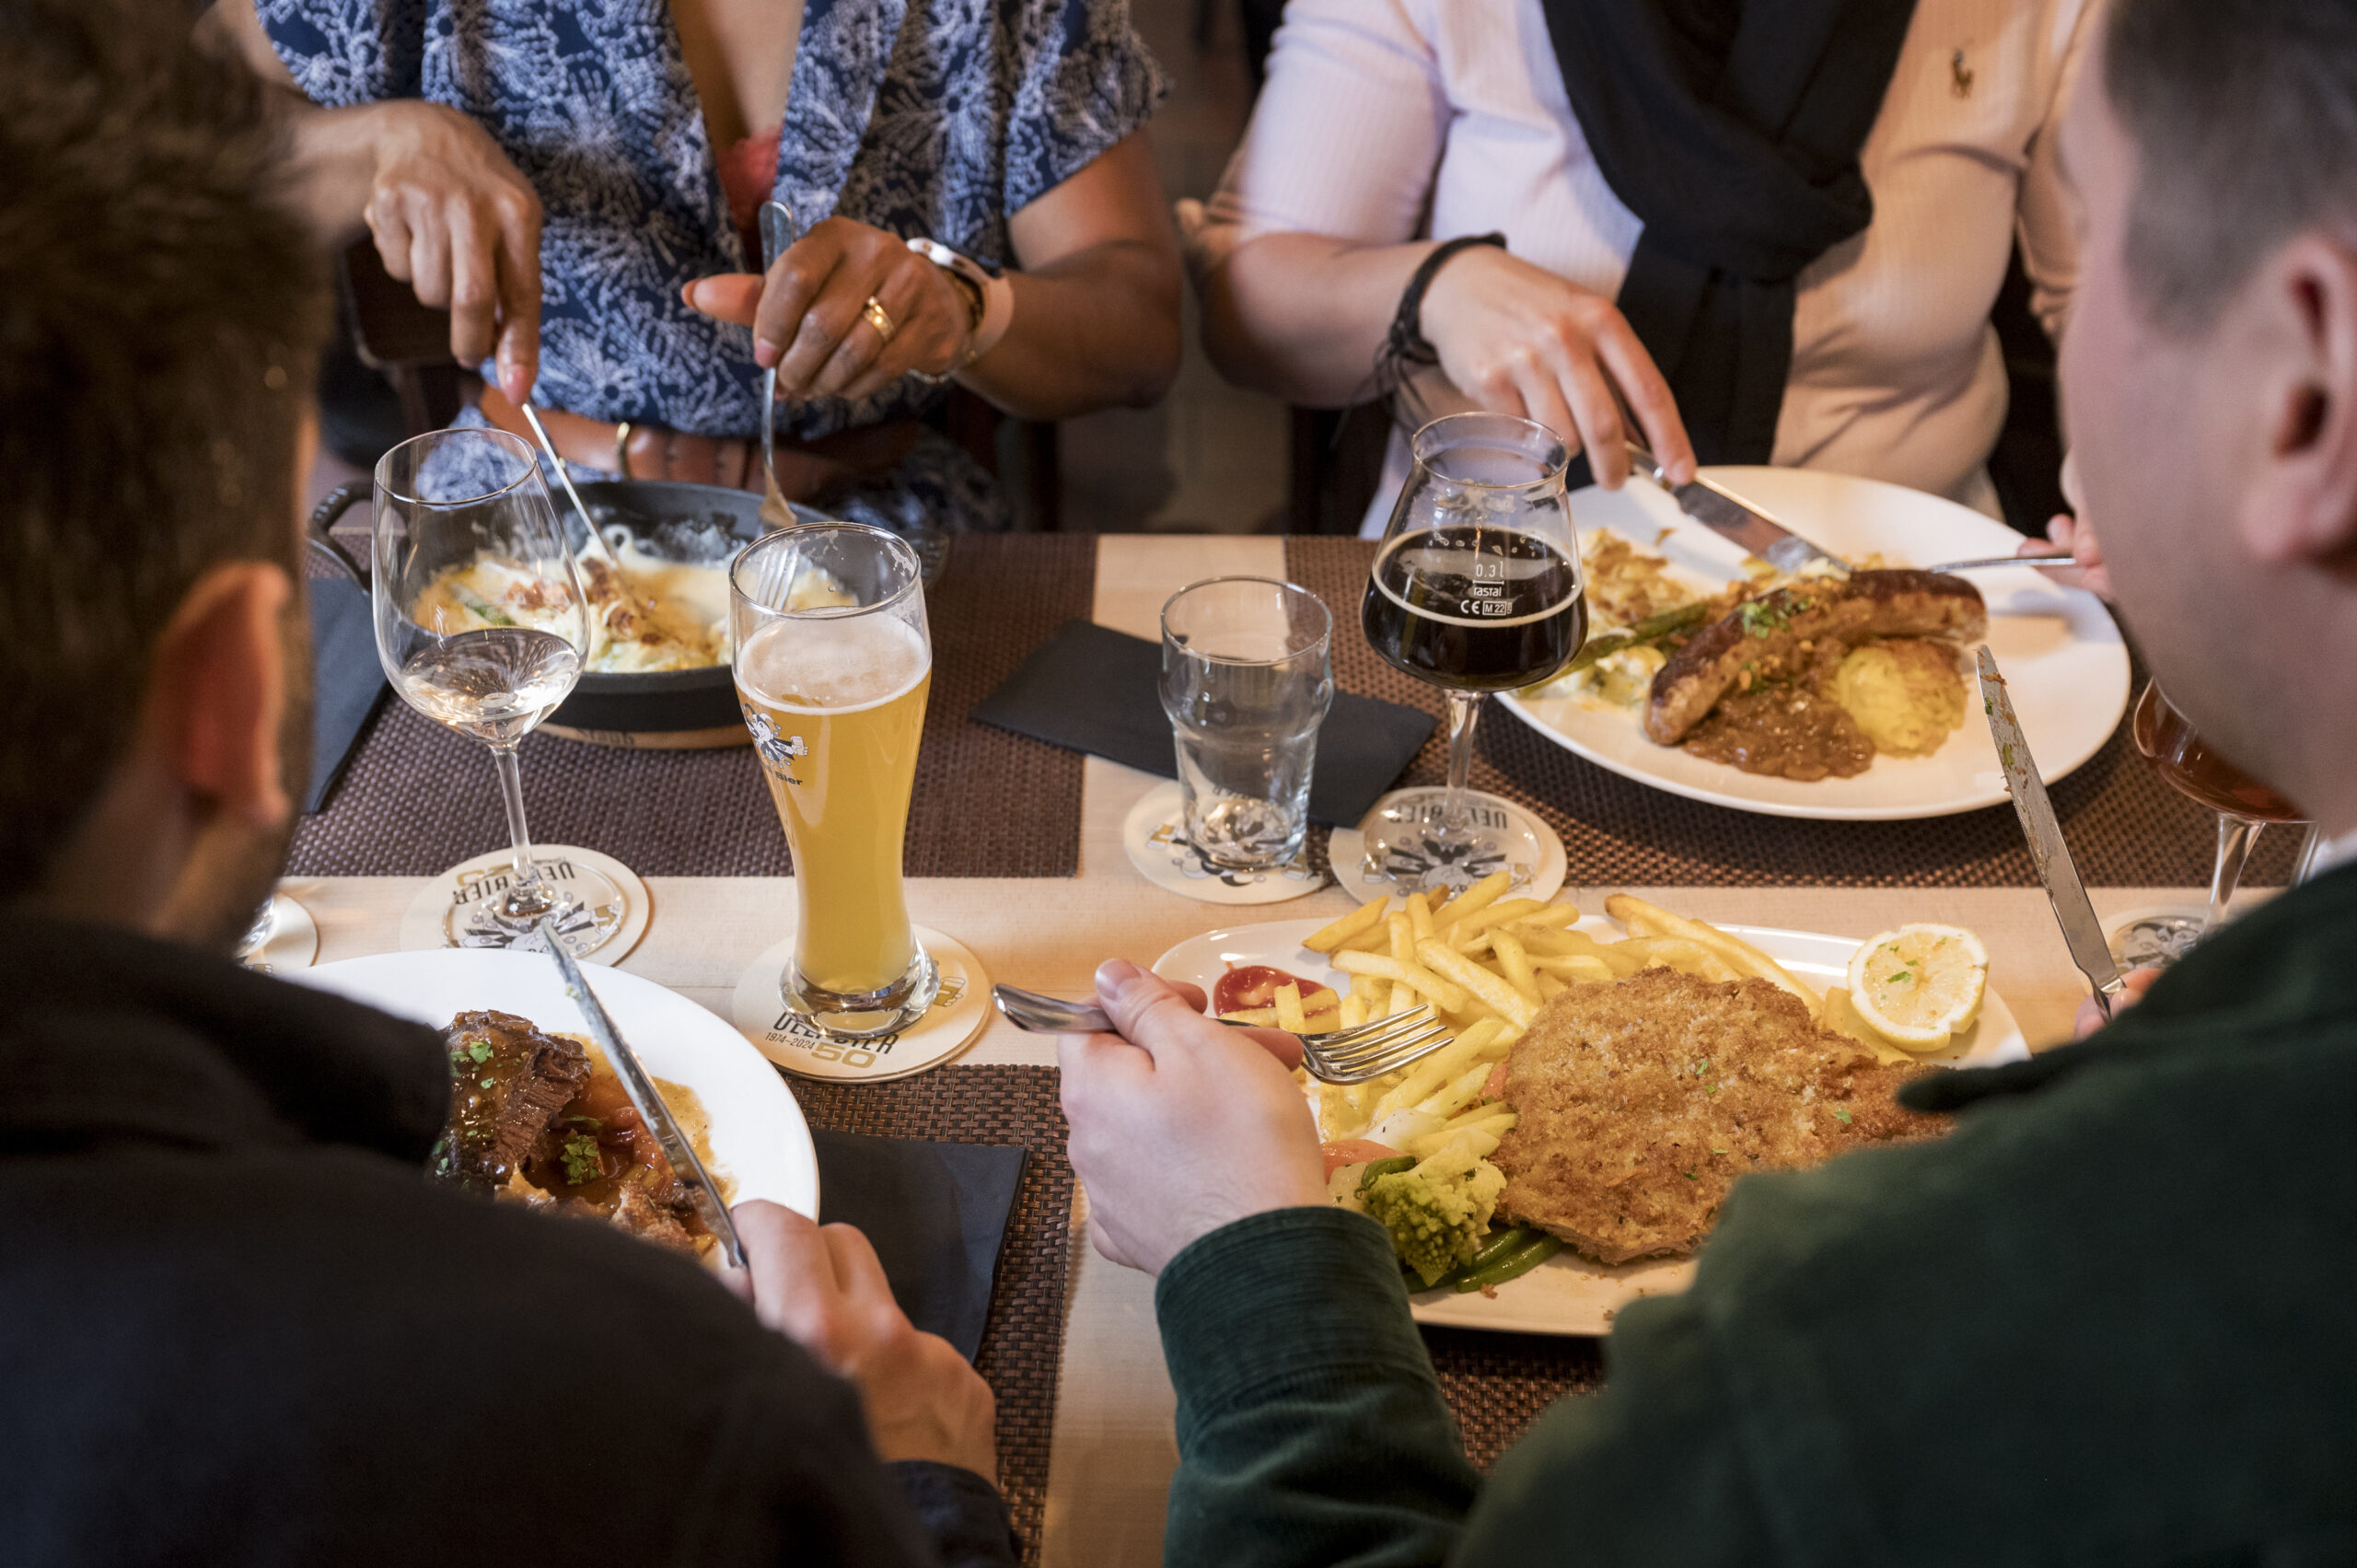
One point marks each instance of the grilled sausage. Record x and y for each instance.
(1767, 632)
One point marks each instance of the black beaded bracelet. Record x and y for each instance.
(1405, 344)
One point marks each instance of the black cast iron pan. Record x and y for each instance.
(666, 709)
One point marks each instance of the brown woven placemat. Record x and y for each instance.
(1497, 1385)
(988, 803)
(1023, 1341)
(2127, 829)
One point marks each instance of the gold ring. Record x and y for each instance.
(621, 448)
(878, 317)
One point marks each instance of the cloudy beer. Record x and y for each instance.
(833, 680)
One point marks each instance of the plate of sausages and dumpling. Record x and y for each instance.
(1842, 699)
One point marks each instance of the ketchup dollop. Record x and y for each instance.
(1254, 985)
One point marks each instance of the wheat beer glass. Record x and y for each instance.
(833, 662)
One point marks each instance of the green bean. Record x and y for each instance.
(1373, 1168)
(1650, 630)
(1513, 1266)
(1492, 1247)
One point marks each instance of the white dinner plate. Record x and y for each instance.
(2060, 651)
(1568, 1294)
(760, 1143)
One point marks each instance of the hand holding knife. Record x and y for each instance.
(2080, 930)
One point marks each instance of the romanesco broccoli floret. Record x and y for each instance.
(1437, 1211)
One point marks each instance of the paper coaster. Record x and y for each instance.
(788, 1039)
(1156, 841)
(292, 942)
(1534, 851)
(457, 909)
(2157, 936)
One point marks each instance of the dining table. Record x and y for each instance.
(1015, 849)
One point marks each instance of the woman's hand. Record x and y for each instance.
(1520, 340)
(454, 220)
(2073, 535)
(809, 318)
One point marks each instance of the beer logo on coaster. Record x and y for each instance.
(778, 752)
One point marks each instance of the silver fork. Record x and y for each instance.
(1338, 1056)
(777, 236)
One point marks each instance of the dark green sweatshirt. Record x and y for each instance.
(2110, 1318)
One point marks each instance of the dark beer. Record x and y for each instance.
(1477, 609)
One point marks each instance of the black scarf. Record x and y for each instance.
(1732, 129)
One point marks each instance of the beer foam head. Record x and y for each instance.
(827, 663)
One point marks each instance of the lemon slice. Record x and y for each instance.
(1919, 985)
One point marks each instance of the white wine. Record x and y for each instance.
(495, 683)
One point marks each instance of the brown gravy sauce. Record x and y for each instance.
(1790, 729)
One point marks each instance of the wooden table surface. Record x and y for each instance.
(1113, 1449)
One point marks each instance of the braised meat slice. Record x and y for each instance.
(508, 1082)
(598, 1152)
(1776, 635)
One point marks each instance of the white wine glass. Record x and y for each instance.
(482, 623)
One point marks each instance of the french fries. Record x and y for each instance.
(1494, 993)
(1481, 895)
(1365, 917)
(1646, 919)
(1442, 995)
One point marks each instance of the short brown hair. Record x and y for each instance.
(2244, 114)
(159, 309)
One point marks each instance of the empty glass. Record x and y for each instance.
(1247, 681)
(480, 619)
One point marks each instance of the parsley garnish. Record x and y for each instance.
(1689, 1175)
(490, 1083)
(582, 1163)
(1762, 616)
(1842, 1117)
(1901, 978)
(479, 1050)
(592, 1122)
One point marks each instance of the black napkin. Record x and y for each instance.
(1097, 690)
(936, 1213)
(346, 680)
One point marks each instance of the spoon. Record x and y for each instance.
(565, 477)
(777, 234)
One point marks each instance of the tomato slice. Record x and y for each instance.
(1354, 1150)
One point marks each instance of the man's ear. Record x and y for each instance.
(218, 692)
(2304, 506)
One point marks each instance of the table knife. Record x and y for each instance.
(1731, 516)
(685, 1166)
(2080, 930)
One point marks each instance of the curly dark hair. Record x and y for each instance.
(160, 306)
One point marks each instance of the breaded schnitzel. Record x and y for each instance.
(1641, 1102)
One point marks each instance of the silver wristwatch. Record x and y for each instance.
(990, 299)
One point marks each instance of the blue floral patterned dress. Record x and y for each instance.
(921, 117)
